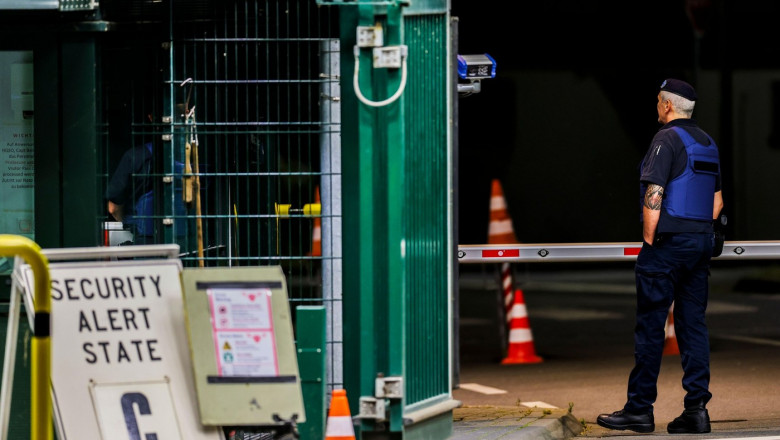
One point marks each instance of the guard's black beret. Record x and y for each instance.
(679, 87)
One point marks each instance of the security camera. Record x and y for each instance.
(474, 67)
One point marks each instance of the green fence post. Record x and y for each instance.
(310, 335)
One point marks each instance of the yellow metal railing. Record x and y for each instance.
(40, 394)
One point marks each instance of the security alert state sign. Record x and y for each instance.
(120, 352)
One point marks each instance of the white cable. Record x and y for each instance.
(366, 101)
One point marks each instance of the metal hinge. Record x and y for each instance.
(389, 387)
(372, 408)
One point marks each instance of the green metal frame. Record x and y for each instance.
(66, 143)
(398, 238)
(80, 100)
(311, 342)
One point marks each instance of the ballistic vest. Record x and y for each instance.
(690, 195)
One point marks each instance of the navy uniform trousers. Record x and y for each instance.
(675, 269)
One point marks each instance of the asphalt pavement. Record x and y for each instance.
(575, 369)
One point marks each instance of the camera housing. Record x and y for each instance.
(473, 67)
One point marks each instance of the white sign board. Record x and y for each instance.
(120, 347)
(145, 408)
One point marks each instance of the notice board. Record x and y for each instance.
(121, 369)
(243, 348)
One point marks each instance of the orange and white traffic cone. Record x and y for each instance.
(316, 232)
(521, 341)
(339, 425)
(670, 344)
(500, 231)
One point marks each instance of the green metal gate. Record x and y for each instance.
(243, 87)
(398, 244)
(249, 89)
(258, 80)
(249, 78)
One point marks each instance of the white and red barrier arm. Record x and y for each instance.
(573, 252)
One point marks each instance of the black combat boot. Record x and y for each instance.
(623, 420)
(694, 420)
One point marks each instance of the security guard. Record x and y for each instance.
(681, 187)
(131, 184)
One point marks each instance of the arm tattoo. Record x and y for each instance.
(654, 196)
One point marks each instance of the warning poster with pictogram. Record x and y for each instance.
(243, 331)
(243, 348)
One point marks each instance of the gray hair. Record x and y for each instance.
(680, 104)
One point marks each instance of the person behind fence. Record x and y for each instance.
(681, 195)
(129, 193)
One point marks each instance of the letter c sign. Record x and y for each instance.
(129, 400)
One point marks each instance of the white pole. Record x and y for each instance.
(330, 195)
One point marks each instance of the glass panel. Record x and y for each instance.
(16, 147)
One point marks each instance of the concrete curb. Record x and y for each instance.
(513, 423)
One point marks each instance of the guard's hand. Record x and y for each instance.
(719, 228)
(116, 211)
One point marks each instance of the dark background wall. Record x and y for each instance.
(571, 112)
